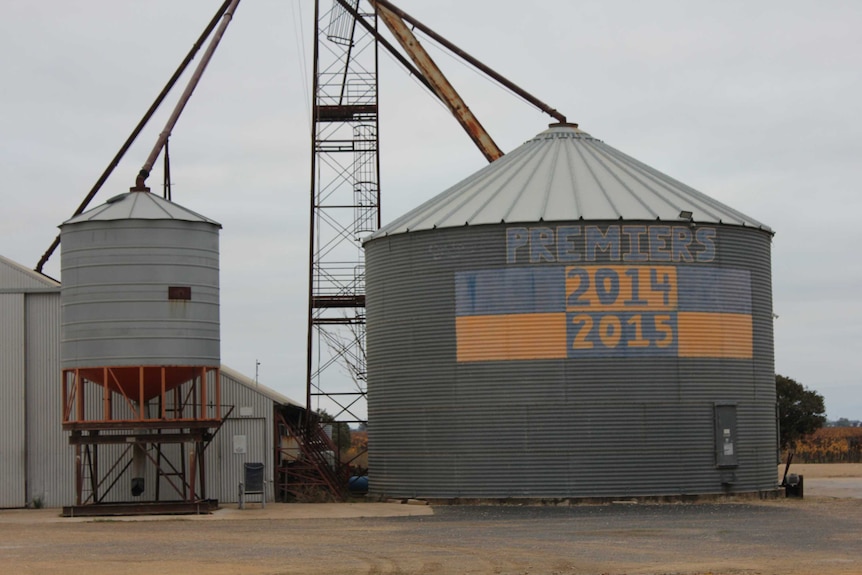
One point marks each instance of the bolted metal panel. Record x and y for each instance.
(50, 458)
(117, 309)
(12, 414)
(580, 359)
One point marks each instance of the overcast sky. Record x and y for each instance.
(756, 104)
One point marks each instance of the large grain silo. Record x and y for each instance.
(140, 347)
(570, 323)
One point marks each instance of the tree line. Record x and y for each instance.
(805, 432)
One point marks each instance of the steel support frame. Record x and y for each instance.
(123, 413)
(345, 204)
(93, 483)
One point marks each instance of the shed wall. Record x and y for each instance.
(34, 450)
(515, 408)
(252, 417)
(50, 458)
(12, 413)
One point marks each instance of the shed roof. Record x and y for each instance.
(139, 206)
(565, 174)
(14, 276)
(267, 392)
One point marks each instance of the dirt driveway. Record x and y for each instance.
(819, 534)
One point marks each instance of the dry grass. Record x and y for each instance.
(823, 470)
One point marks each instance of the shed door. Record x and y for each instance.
(12, 409)
(242, 440)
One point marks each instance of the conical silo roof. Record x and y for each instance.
(565, 174)
(139, 205)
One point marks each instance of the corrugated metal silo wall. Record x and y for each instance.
(498, 368)
(117, 307)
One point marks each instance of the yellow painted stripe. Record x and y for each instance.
(722, 335)
(511, 336)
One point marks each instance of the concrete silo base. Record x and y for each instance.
(765, 494)
(203, 507)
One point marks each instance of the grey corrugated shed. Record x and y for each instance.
(32, 447)
(564, 174)
(139, 206)
(252, 419)
(50, 458)
(12, 438)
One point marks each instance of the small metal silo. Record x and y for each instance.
(140, 288)
(140, 352)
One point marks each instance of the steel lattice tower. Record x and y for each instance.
(345, 204)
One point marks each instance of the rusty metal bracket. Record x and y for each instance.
(140, 181)
(505, 82)
(441, 86)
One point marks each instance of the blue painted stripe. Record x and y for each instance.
(510, 291)
(710, 289)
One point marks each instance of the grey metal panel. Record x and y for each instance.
(12, 373)
(564, 174)
(116, 310)
(725, 435)
(50, 458)
(568, 426)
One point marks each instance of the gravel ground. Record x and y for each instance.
(821, 534)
